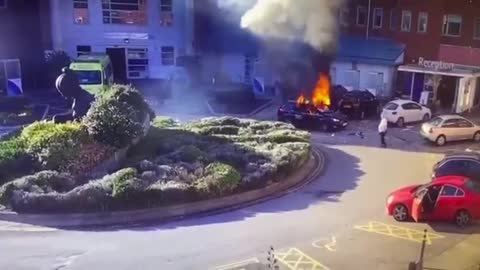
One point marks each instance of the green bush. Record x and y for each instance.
(14, 160)
(220, 179)
(191, 153)
(113, 122)
(54, 145)
(131, 96)
(164, 122)
(220, 130)
(123, 181)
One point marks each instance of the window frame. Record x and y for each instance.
(460, 120)
(75, 10)
(164, 53)
(451, 120)
(374, 17)
(454, 194)
(446, 26)
(358, 17)
(425, 15)
(404, 13)
(83, 52)
(119, 18)
(476, 28)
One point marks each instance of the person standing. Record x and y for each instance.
(382, 130)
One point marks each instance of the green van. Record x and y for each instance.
(94, 71)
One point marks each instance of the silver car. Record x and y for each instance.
(445, 128)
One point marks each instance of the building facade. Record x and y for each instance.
(442, 41)
(144, 38)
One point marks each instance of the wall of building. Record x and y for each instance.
(67, 34)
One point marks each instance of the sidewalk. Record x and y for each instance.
(463, 256)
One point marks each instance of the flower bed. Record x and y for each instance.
(173, 163)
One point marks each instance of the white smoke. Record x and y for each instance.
(314, 22)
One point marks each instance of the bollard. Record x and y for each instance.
(272, 262)
(422, 251)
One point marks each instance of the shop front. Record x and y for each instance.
(445, 87)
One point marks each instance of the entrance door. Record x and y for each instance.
(418, 84)
(119, 64)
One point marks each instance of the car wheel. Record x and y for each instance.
(401, 122)
(462, 218)
(441, 140)
(476, 136)
(400, 212)
(426, 117)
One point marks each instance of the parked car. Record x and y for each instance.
(308, 116)
(460, 164)
(355, 103)
(445, 128)
(402, 111)
(448, 198)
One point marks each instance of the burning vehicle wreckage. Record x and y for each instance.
(314, 113)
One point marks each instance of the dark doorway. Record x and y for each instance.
(418, 85)
(119, 64)
(446, 92)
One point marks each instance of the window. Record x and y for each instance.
(83, 49)
(406, 20)
(452, 25)
(422, 22)
(168, 56)
(473, 185)
(411, 106)
(377, 17)
(89, 77)
(137, 63)
(166, 12)
(80, 11)
(361, 16)
(452, 167)
(460, 193)
(391, 106)
(344, 17)
(393, 19)
(448, 191)
(124, 11)
(450, 123)
(476, 28)
(350, 79)
(464, 123)
(3, 4)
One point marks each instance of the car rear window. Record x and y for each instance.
(436, 121)
(391, 106)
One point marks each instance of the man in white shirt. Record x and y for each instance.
(382, 130)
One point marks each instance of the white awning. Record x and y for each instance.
(457, 71)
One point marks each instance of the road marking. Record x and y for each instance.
(398, 232)
(295, 259)
(6, 226)
(329, 244)
(238, 265)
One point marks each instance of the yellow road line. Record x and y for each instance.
(398, 232)
(293, 258)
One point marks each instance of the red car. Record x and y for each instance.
(447, 198)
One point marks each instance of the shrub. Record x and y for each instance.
(113, 122)
(220, 130)
(164, 122)
(54, 145)
(220, 179)
(123, 183)
(131, 96)
(14, 160)
(190, 153)
(87, 158)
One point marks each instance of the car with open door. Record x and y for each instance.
(357, 103)
(446, 128)
(448, 198)
(401, 111)
(309, 117)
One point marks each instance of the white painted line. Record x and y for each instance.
(238, 264)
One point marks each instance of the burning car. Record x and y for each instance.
(314, 113)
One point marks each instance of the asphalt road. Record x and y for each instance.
(337, 222)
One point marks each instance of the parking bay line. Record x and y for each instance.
(295, 259)
(398, 232)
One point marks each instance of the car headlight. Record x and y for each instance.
(335, 120)
(390, 199)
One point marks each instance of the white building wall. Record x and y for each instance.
(67, 35)
(340, 75)
(466, 94)
(231, 65)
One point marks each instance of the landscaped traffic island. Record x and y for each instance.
(116, 159)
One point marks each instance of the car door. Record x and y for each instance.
(472, 196)
(415, 112)
(448, 203)
(450, 128)
(466, 129)
(417, 205)
(406, 112)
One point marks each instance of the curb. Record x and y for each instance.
(312, 168)
(250, 114)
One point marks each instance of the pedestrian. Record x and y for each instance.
(382, 130)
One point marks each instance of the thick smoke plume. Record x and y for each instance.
(314, 22)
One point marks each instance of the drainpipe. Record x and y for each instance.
(368, 18)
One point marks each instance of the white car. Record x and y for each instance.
(405, 111)
(445, 128)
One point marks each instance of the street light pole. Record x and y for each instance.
(368, 18)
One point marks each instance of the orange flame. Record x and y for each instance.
(321, 93)
(301, 100)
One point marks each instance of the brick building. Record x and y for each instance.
(442, 45)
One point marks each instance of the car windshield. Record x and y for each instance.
(89, 77)
(391, 106)
(436, 121)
